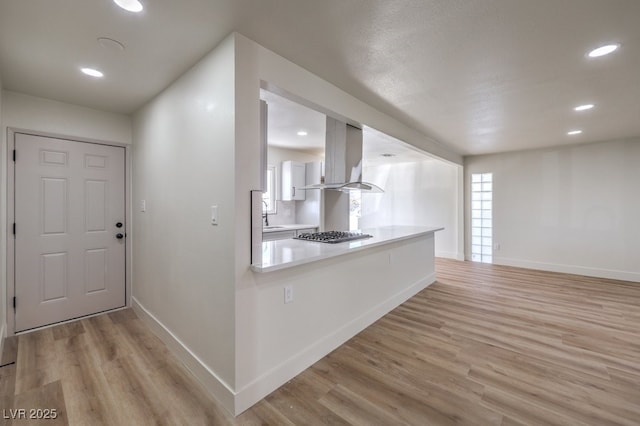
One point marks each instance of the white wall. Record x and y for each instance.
(198, 144)
(183, 266)
(273, 341)
(570, 209)
(25, 112)
(417, 193)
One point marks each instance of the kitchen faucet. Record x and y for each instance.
(265, 215)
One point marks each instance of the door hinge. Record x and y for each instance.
(14, 228)
(14, 302)
(14, 155)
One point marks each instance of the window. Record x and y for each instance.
(481, 217)
(269, 196)
(355, 209)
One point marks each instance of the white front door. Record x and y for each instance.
(69, 236)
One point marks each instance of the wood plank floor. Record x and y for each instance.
(485, 345)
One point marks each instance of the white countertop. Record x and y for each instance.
(289, 227)
(281, 254)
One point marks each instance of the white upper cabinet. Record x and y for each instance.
(293, 180)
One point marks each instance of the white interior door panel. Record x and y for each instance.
(69, 198)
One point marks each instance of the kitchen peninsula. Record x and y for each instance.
(282, 254)
(315, 296)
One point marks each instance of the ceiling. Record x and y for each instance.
(287, 118)
(478, 76)
(379, 148)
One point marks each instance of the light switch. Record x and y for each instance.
(288, 294)
(143, 206)
(214, 215)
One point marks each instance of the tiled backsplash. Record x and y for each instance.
(286, 213)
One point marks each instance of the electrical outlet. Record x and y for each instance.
(143, 205)
(288, 294)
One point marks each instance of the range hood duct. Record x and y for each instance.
(343, 159)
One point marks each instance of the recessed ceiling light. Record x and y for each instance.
(302, 133)
(584, 107)
(603, 50)
(574, 132)
(92, 72)
(130, 5)
(386, 154)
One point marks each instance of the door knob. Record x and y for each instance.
(119, 225)
(119, 236)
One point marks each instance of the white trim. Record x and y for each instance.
(213, 384)
(10, 215)
(570, 269)
(450, 255)
(286, 370)
(12, 130)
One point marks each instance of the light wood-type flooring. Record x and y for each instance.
(485, 345)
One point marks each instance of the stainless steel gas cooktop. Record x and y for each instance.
(332, 237)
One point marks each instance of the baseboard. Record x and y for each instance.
(203, 374)
(238, 402)
(288, 369)
(450, 255)
(569, 269)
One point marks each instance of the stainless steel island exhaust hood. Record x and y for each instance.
(343, 159)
